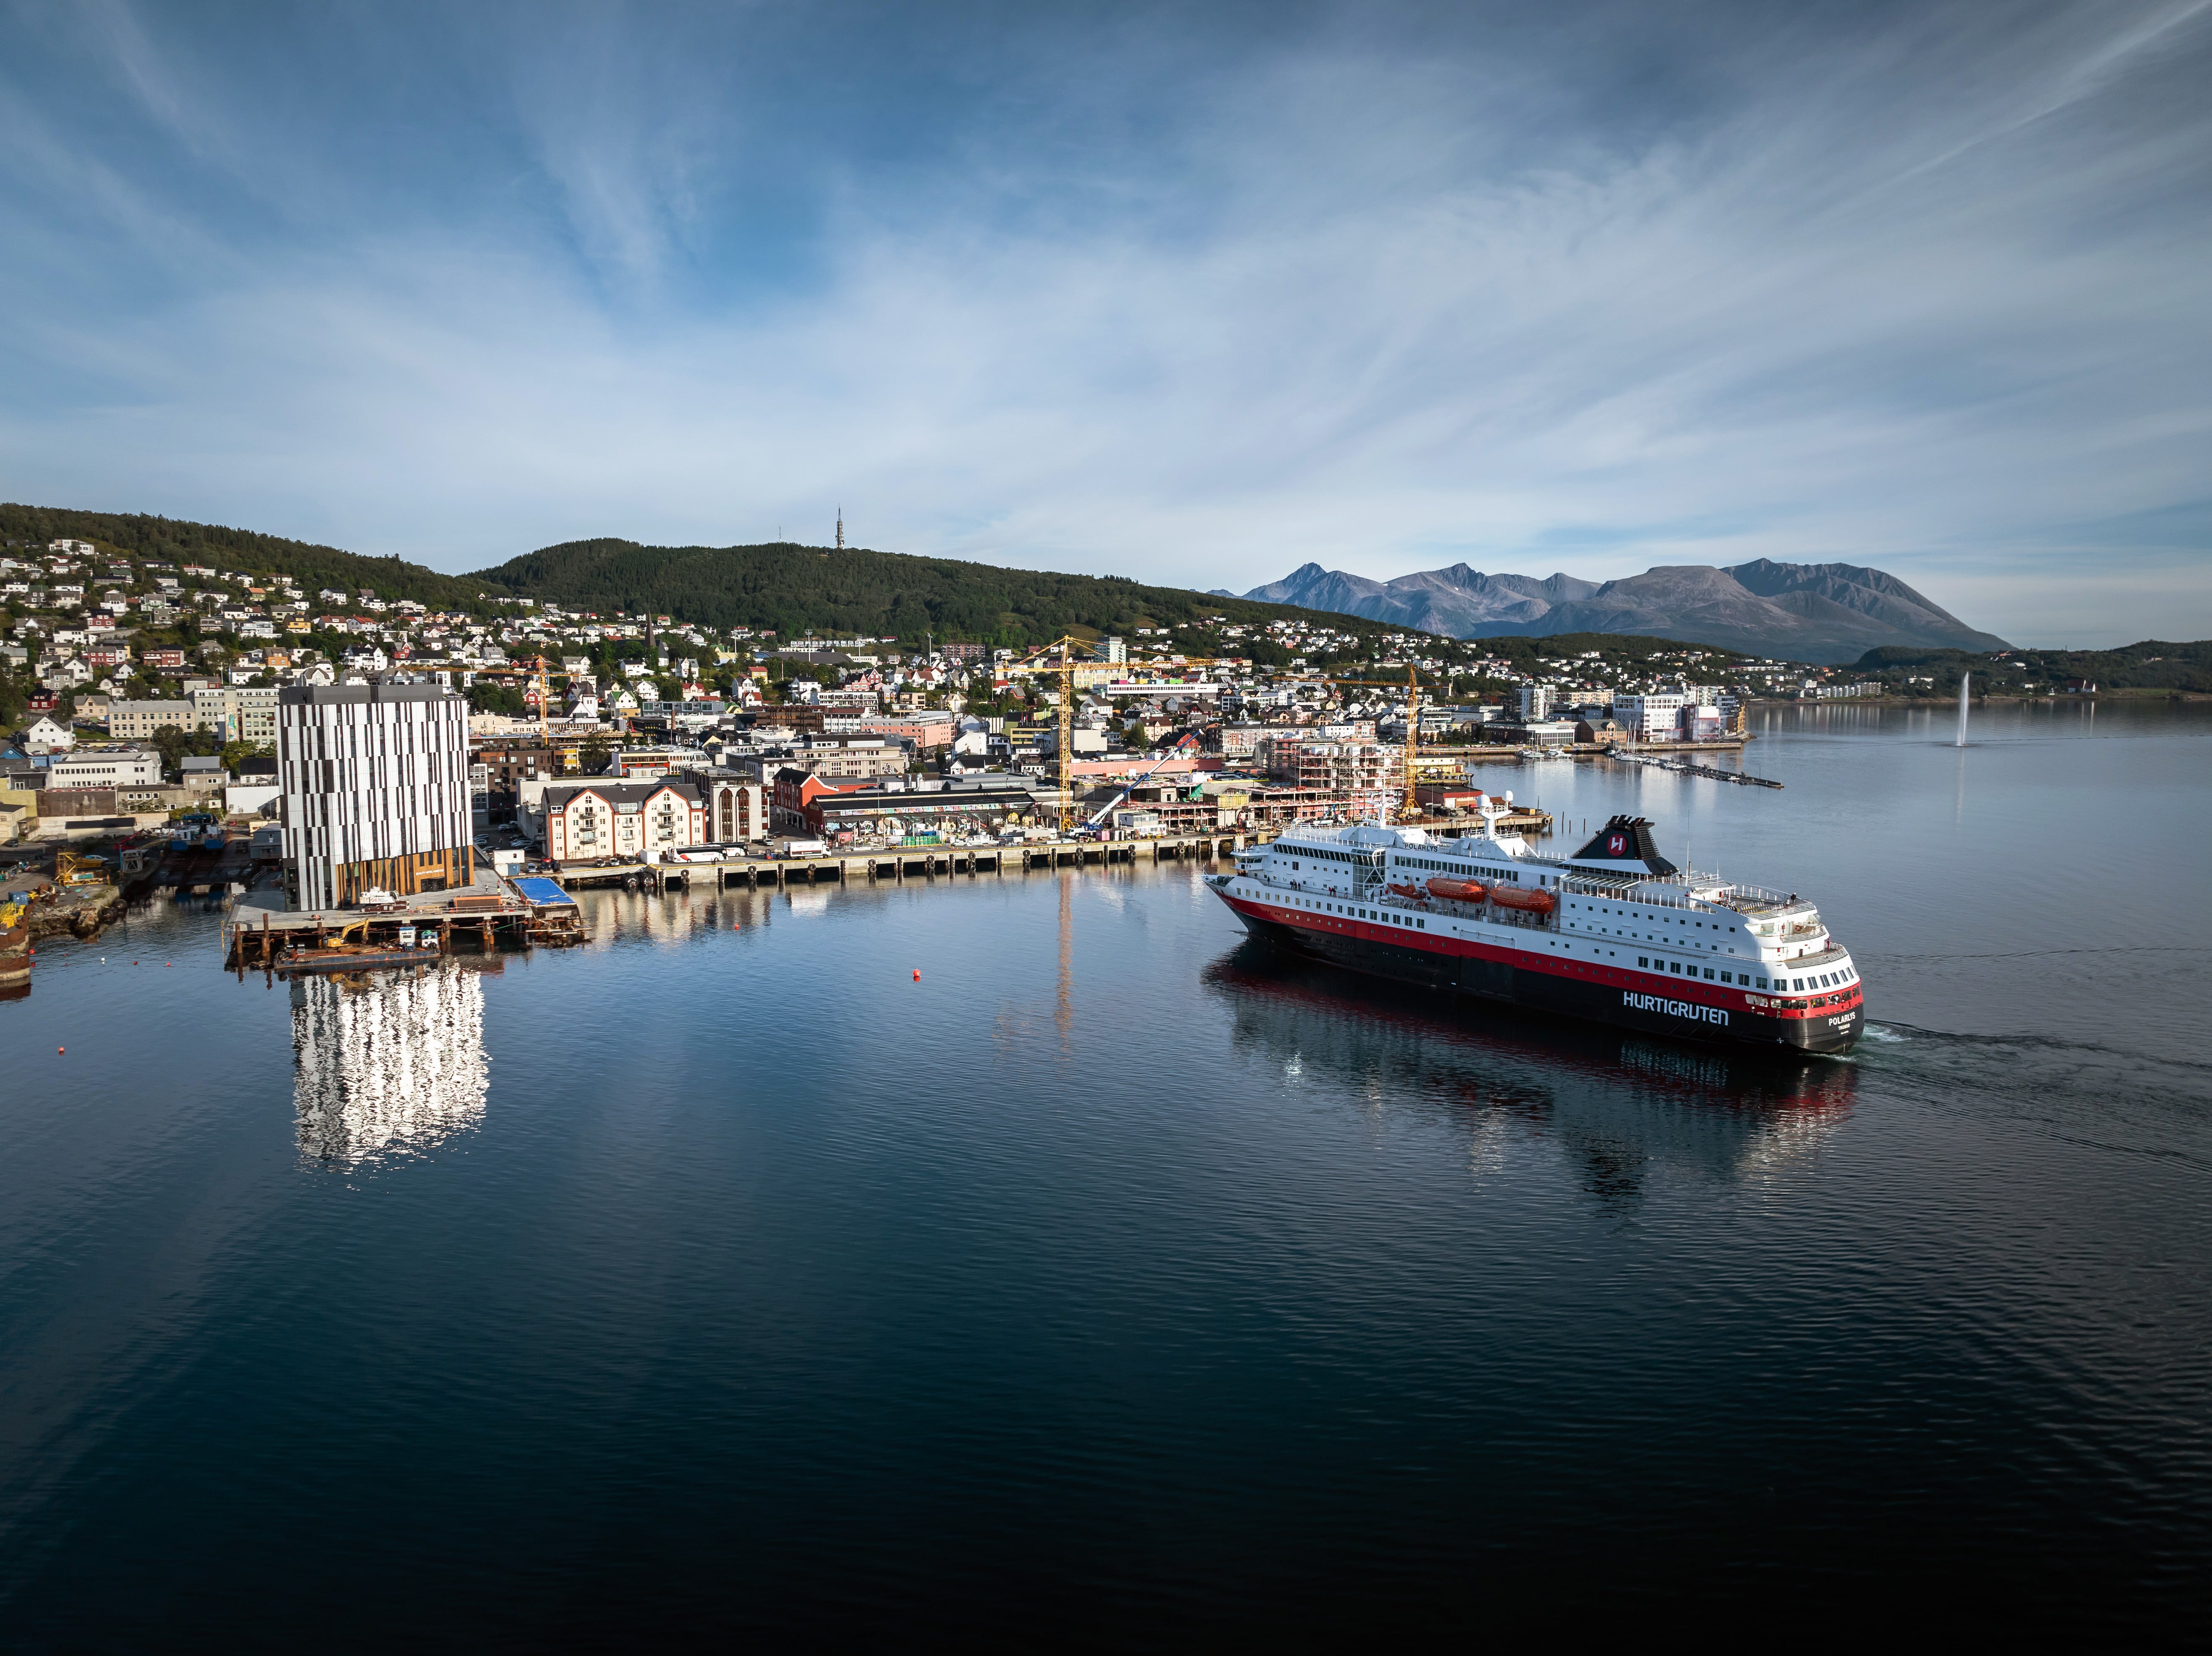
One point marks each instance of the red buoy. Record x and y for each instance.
(61, 1049)
(917, 974)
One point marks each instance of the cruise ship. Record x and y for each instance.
(1615, 932)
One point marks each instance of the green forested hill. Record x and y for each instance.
(800, 589)
(2153, 665)
(176, 540)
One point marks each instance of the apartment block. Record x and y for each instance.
(1652, 718)
(136, 721)
(606, 818)
(375, 789)
(237, 713)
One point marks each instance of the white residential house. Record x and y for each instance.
(44, 734)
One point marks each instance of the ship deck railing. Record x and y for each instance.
(1826, 958)
(1654, 890)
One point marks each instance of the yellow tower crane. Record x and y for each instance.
(1409, 805)
(1058, 659)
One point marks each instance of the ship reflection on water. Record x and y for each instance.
(1623, 1107)
(387, 1064)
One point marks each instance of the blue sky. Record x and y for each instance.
(1192, 293)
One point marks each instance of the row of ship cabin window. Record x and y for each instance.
(1375, 914)
(1745, 980)
(1487, 872)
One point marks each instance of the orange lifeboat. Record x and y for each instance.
(1512, 896)
(1409, 890)
(1457, 891)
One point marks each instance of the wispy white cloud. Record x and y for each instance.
(1927, 297)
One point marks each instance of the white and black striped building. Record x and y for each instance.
(375, 789)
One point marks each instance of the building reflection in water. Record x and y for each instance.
(1620, 1106)
(387, 1064)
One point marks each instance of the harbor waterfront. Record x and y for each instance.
(1036, 1255)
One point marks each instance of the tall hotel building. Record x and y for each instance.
(375, 780)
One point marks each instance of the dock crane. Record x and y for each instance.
(1062, 666)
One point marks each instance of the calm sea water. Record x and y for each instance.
(1119, 1279)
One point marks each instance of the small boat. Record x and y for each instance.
(353, 959)
(1514, 896)
(1458, 891)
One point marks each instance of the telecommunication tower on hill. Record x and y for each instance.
(841, 529)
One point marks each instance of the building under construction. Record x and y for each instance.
(1363, 778)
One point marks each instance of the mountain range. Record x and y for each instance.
(1819, 612)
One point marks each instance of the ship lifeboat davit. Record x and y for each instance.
(1512, 896)
(1457, 891)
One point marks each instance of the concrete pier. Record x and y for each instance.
(901, 863)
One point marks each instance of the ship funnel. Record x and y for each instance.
(1623, 845)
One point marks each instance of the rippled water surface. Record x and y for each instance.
(1118, 1278)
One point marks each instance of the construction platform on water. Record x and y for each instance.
(260, 933)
